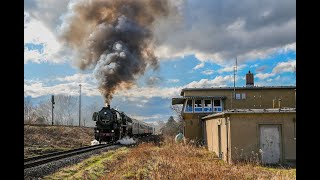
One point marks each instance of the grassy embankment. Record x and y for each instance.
(45, 139)
(166, 161)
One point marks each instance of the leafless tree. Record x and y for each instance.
(27, 110)
(87, 113)
(43, 111)
(177, 109)
(66, 110)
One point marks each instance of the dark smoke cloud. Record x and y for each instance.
(115, 38)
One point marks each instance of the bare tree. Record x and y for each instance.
(27, 110)
(171, 128)
(87, 113)
(43, 112)
(177, 109)
(66, 110)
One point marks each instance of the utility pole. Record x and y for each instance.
(52, 102)
(234, 82)
(234, 79)
(80, 105)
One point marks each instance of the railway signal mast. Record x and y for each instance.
(52, 101)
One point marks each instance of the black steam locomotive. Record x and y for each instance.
(112, 125)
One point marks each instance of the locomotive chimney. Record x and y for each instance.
(107, 105)
(249, 79)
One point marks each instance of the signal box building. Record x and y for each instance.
(200, 102)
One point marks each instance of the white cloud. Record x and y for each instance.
(219, 81)
(149, 92)
(254, 65)
(288, 66)
(77, 78)
(173, 80)
(207, 72)
(219, 31)
(212, 31)
(36, 33)
(70, 86)
(201, 65)
(230, 68)
(38, 89)
(281, 67)
(264, 75)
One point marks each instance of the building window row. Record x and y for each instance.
(240, 96)
(203, 105)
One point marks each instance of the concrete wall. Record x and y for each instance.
(192, 125)
(244, 134)
(213, 137)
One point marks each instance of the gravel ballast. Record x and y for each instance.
(49, 168)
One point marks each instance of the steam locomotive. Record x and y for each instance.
(112, 125)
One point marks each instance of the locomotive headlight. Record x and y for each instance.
(97, 131)
(112, 130)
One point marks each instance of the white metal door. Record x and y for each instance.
(270, 143)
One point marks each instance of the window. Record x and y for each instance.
(197, 105)
(188, 107)
(207, 105)
(217, 107)
(217, 102)
(243, 95)
(238, 96)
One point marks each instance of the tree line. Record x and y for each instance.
(66, 111)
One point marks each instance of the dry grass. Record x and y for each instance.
(44, 139)
(167, 161)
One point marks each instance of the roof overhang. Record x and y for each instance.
(237, 88)
(251, 111)
(181, 100)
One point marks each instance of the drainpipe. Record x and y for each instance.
(273, 103)
(279, 101)
(227, 130)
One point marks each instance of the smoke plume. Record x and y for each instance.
(115, 38)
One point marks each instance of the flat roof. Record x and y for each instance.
(181, 100)
(252, 111)
(231, 88)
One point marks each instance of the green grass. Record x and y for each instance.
(92, 168)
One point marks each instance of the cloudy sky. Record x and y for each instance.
(196, 47)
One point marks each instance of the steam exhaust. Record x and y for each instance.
(114, 38)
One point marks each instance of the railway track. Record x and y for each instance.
(39, 160)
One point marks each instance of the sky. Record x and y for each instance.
(196, 46)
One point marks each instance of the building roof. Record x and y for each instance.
(181, 100)
(251, 111)
(231, 88)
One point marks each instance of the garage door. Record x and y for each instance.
(270, 143)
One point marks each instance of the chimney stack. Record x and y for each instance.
(249, 79)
